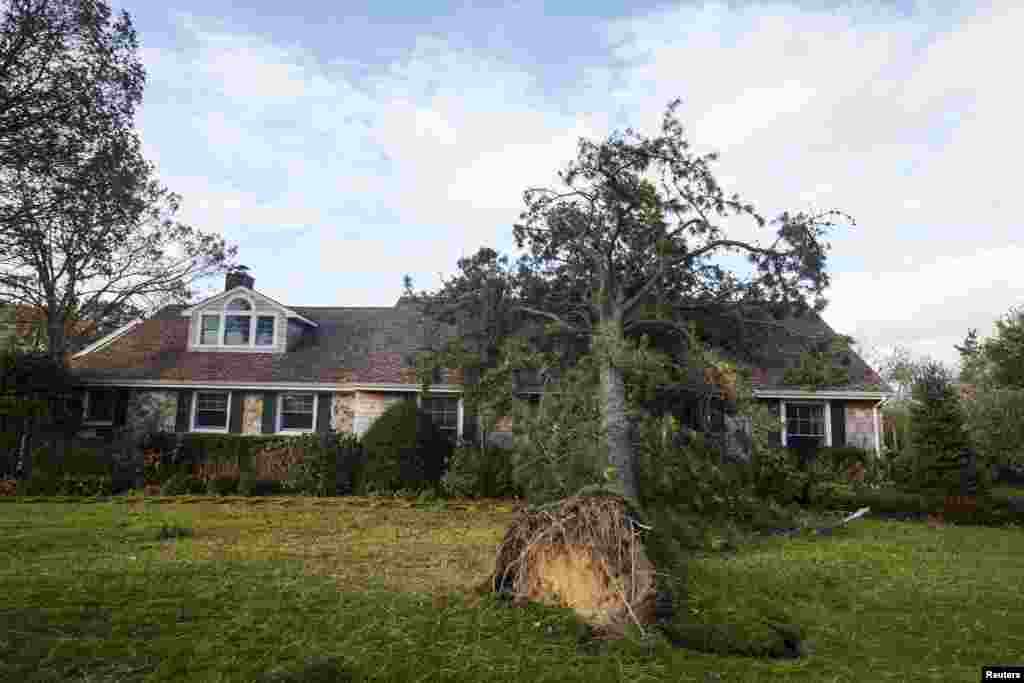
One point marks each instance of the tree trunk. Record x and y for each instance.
(616, 427)
(55, 340)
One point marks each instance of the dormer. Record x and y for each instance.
(241, 320)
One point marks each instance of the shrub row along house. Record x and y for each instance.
(242, 363)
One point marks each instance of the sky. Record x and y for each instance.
(343, 145)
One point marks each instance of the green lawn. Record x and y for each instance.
(368, 589)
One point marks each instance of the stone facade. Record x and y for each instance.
(149, 412)
(860, 424)
(369, 405)
(343, 411)
(252, 414)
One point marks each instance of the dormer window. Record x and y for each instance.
(235, 326)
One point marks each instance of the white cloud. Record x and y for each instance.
(425, 158)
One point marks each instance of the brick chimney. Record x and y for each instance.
(239, 277)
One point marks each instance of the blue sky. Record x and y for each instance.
(344, 145)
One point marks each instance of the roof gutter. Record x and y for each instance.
(823, 394)
(268, 386)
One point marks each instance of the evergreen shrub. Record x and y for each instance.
(403, 450)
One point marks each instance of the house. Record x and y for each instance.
(241, 362)
(843, 415)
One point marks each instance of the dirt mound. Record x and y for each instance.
(585, 553)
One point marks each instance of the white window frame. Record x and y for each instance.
(85, 408)
(222, 313)
(826, 412)
(195, 406)
(278, 413)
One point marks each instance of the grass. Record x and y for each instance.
(377, 589)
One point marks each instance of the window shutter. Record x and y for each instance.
(838, 423)
(235, 418)
(269, 411)
(323, 412)
(181, 422)
(121, 407)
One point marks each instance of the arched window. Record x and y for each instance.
(239, 305)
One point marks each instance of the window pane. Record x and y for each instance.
(212, 410)
(297, 411)
(101, 406)
(236, 329)
(265, 330)
(239, 305)
(444, 412)
(210, 329)
(296, 420)
(297, 403)
(805, 419)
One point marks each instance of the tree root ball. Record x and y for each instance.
(585, 553)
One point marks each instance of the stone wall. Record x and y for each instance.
(860, 424)
(343, 411)
(252, 414)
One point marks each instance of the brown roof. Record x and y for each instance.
(371, 345)
(378, 345)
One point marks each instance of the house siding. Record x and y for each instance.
(860, 424)
(369, 405)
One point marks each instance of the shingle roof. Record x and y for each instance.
(780, 345)
(378, 345)
(370, 345)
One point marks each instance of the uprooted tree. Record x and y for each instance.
(631, 243)
(87, 233)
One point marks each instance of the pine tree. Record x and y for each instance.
(937, 434)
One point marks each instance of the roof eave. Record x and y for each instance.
(185, 313)
(849, 394)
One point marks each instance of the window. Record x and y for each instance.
(239, 305)
(99, 406)
(210, 411)
(444, 411)
(210, 329)
(805, 419)
(265, 330)
(237, 326)
(297, 412)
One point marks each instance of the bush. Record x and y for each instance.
(249, 485)
(67, 484)
(329, 464)
(404, 450)
(839, 458)
(681, 467)
(480, 472)
(778, 475)
(168, 454)
(181, 484)
(222, 485)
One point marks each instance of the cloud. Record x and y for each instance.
(351, 171)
